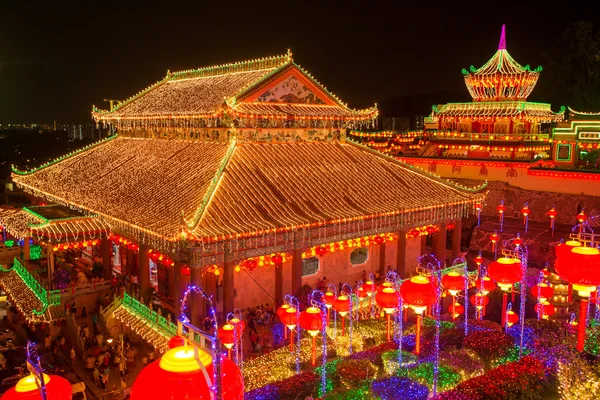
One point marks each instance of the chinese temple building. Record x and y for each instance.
(575, 139)
(240, 178)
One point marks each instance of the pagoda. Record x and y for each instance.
(239, 178)
(499, 123)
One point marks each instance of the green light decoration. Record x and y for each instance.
(511, 356)
(592, 338)
(35, 252)
(423, 373)
(9, 243)
(150, 317)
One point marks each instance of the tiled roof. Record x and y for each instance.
(291, 110)
(142, 182)
(538, 111)
(270, 186)
(218, 189)
(17, 221)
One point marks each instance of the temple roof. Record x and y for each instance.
(54, 222)
(501, 78)
(244, 89)
(539, 112)
(159, 187)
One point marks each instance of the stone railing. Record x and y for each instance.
(46, 298)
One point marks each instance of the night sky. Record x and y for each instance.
(56, 61)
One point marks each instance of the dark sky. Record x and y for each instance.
(56, 60)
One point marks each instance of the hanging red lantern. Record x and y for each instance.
(501, 208)
(414, 233)
(456, 310)
(239, 325)
(360, 292)
(453, 283)
(176, 341)
(179, 374)
(478, 206)
(418, 293)
(290, 319)
(479, 300)
(545, 309)
(542, 291)
(518, 241)
(277, 259)
(369, 288)
(525, 211)
(511, 318)
(581, 268)
(250, 264)
(450, 226)
(342, 305)
(506, 272)
(57, 388)
(185, 270)
(485, 285)
(321, 251)
(478, 259)
(226, 335)
(379, 239)
(387, 298)
(430, 229)
(552, 213)
(328, 299)
(311, 320)
(564, 249)
(581, 217)
(281, 311)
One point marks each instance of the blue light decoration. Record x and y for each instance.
(540, 281)
(466, 302)
(398, 388)
(183, 321)
(597, 312)
(371, 300)
(235, 318)
(333, 289)
(294, 302)
(321, 305)
(522, 254)
(397, 283)
(35, 367)
(350, 293)
(502, 216)
(526, 216)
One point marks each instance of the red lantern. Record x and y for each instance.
(456, 310)
(525, 211)
(564, 249)
(430, 229)
(387, 298)
(290, 319)
(485, 285)
(379, 239)
(281, 311)
(478, 206)
(369, 288)
(226, 335)
(311, 320)
(552, 213)
(328, 298)
(360, 292)
(250, 264)
(501, 208)
(580, 267)
(178, 375)
(542, 291)
(581, 217)
(176, 341)
(321, 251)
(342, 305)
(57, 388)
(478, 259)
(517, 241)
(450, 226)
(511, 318)
(545, 309)
(418, 293)
(414, 233)
(277, 259)
(185, 270)
(453, 283)
(479, 300)
(506, 272)
(239, 325)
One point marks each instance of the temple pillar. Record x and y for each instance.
(401, 254)
(456, 239)
(180, 285)
(107, 256)
(228, 288)
(50, 251)
(144, 270)
(423, 244)
(172, 290)
(26, 249)
(439, 244)
(196, 313)
(382, 269)
(297, 272)
(279, 283)
(210, 287)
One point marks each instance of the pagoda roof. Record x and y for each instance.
(54, 222)
(165, 187)
(213, 92)
(539, 112)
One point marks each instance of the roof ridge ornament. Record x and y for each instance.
(502, 43)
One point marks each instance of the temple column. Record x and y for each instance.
(439, 244)
(382, 269)
(228, 288)
(196, 279)
(180, 285)
(26, 249)
(210, 287)
(50, 248)
(456, 239)
(144, 270)
(423, 244)
(297, 272)
(279, 283)
(401, 254)
(172, 287)
(107, 256)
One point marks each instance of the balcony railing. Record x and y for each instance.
(487, 137)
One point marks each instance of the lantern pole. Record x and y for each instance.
(333, 289)
(294, 302)
(583, 309)
(466, 272)
(320, 304)
(523, 298)
(552, 214)
(350, 292)
(371, 302)
(183, 321)
(525, 211)
(500, 209)
(540, 310)
(398, 326)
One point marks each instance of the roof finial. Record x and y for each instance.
(502, 44)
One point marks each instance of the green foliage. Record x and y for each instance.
(35, 252)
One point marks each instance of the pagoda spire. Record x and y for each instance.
(502, 44)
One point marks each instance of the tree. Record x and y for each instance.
(572, 73)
